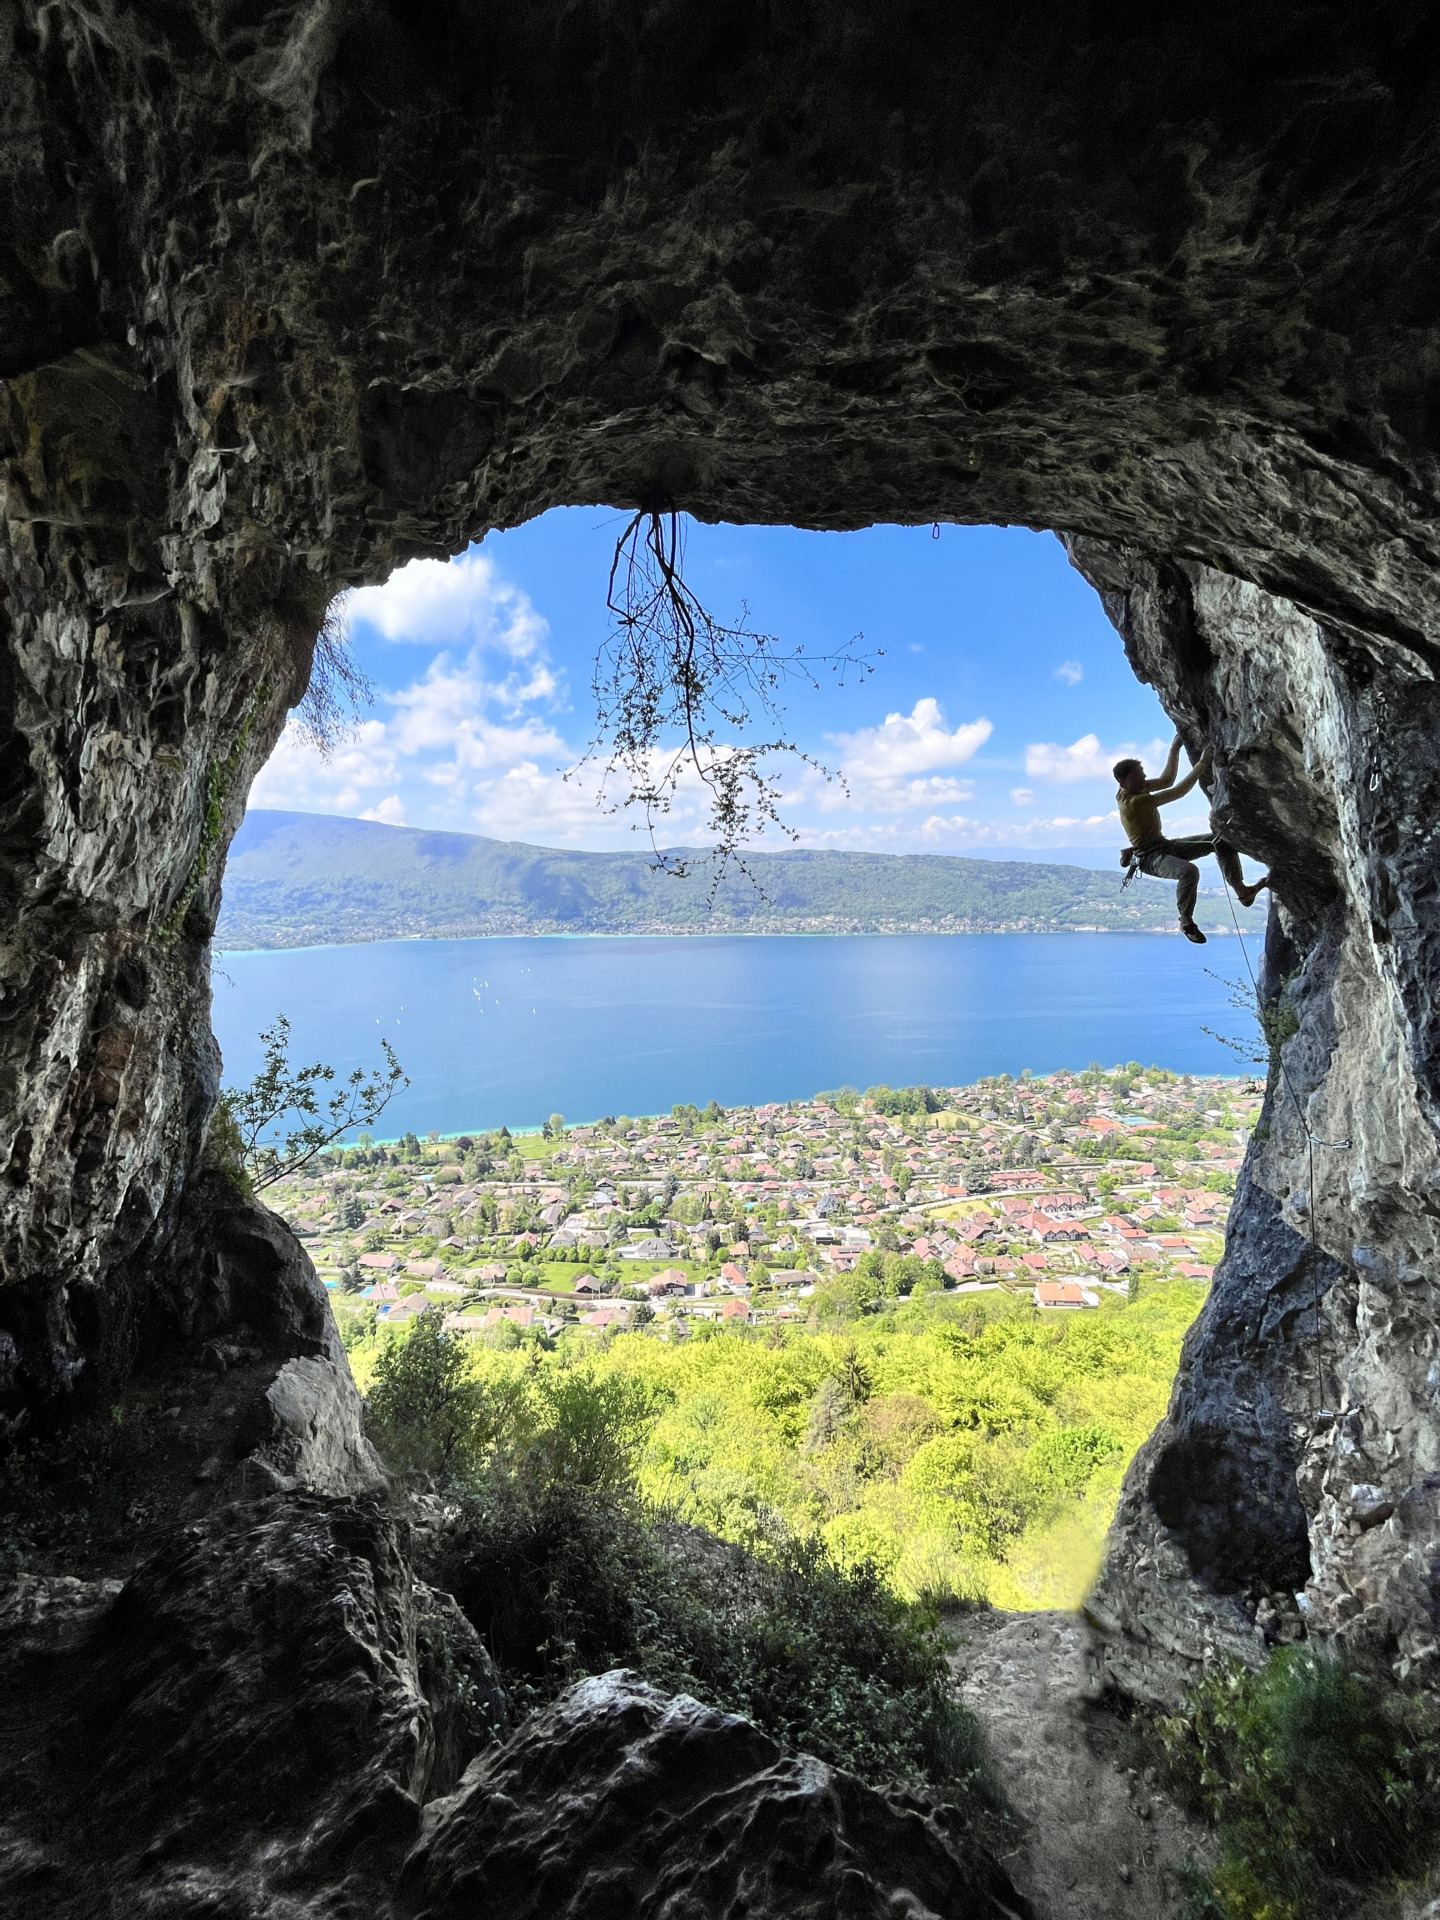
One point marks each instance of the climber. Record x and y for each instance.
(1140, 801)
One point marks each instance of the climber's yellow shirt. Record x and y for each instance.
(1140, 812)
(1140, 817)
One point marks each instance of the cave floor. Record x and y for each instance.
(1103, 1841)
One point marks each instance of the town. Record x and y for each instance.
(1059, 1189)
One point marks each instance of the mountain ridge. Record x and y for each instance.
(298, 879)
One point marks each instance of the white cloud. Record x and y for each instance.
(537, 804)
(431, 762)
(443, 758)
(390, 812)
(1071, 672)
(958, 833)
(451, 603)
(934, 792)
(296, 776)
(909, 743)
(1086, 759)
(448, 711)
(1059, 830)
(1022, 796)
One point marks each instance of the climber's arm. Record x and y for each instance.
(1182, 787)
(1169, 770)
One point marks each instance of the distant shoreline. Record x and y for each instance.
(304, 880)
(1065, 1165)
(731, 933)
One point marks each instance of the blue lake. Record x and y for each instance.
(514, 1029)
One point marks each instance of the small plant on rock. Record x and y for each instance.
(242, 1141)
(1317, 1780)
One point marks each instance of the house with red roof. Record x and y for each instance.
(1061, 1293)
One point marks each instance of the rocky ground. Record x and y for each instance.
(1103, 1840)
(229, 1693)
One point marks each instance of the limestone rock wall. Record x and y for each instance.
(1301, 1452)
(133, 725)
(289, 295)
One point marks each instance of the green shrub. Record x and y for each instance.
(831, 1661)
(225, 1147)
(587, 1432)
(1061, 1464)
(552, 1554)
(1314, 1778)
(562, 1581)
(426, 1412)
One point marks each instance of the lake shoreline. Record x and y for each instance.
(509, 1029)
(738, 933)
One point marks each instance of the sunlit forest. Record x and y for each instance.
(970, 1450)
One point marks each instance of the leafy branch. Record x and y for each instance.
(245, 1116)
(677, 692)
(1277, 1023)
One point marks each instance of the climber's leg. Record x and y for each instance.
(1177, 862)
(1229, 863)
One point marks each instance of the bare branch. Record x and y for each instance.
(677, 692)
(329, 712)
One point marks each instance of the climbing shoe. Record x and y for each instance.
(1247, 896)
(1192, 932)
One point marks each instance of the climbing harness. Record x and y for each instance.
(1312, 1140)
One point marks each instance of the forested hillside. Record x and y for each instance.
(297, 879)
(969, 1449)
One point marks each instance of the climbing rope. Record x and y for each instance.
(1312, 1140)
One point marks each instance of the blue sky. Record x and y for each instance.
(999, 698)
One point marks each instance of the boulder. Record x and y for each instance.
(620, 1799)
(265, 1704)
(273, 1715)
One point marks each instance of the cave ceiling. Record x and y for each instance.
(318, 287)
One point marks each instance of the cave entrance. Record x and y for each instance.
(1168, 289)
(637, 1099)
